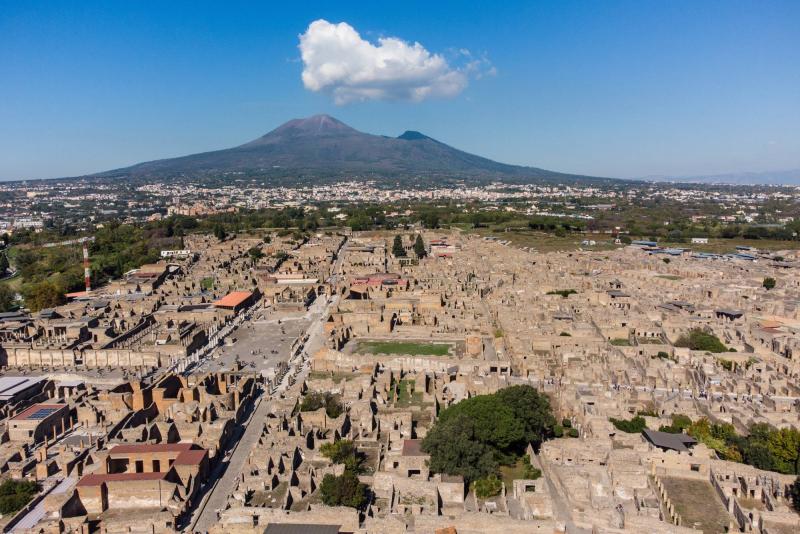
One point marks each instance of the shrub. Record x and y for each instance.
(314, 401)
(563, 292)
(487, 487)
(532, 473)
(633, 426)
(697, 339)
(768, 283)
(566, 423)
(573, 433)
(343, 490)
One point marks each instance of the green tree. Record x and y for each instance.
(314, 401)
(43, 295)
(3, 263)
(475, 436)
(532, 409)
(419, 247)
(768, 283)
(255, 254)
(456, 449)
(430, 219)
(794, 494)
(343, 490)
(219, 232)
(15, 494)
(6, 298)
(397, 248)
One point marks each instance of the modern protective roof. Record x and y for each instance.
(38, 412)
(231, 300)
(665, 440)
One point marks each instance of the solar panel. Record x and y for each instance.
(42, 413)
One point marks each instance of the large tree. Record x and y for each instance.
(419, 247)
(473, 437)
(398, 251)
(6, 298)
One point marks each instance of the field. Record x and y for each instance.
(697, 504)
(403, 347)
(544, 242)
(723, 246)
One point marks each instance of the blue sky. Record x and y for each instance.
(625, 89)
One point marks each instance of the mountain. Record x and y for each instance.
(323, 146)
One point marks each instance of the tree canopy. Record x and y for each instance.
(398, 251)
(475, 436)
(419, 247)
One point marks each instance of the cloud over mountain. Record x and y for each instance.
(339, 62)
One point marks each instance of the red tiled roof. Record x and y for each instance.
(25, 414)
(97, 479)
(136, 448)
(192, 457)
(231, 300)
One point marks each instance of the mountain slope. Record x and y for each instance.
(323, 145)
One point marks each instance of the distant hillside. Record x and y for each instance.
(322, 145)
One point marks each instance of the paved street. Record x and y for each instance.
(227, 472)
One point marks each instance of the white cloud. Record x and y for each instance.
(337, 61)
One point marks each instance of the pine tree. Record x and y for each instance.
(219, 232)
(419, 247)
(397, 249)
(3, 264)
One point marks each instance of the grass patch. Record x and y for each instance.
(407, 395)
(207, 283)
(335, 376)
(669, 277)
(403, 347)
(697, 504)
(620, 342)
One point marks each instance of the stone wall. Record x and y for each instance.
(24, 357)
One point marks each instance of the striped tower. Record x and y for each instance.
(87, 273)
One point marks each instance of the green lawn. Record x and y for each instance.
(207, 283)
(512, 473)
(620, 342)
(407, 396)
(403, 347)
